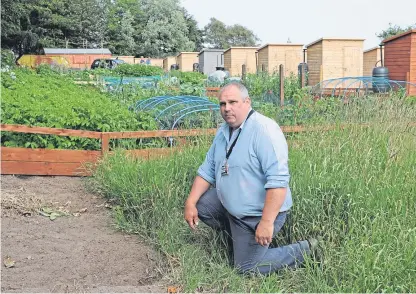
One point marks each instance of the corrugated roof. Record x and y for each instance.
(76, 51)
(398, 36)
(281, 44)
(334, 39)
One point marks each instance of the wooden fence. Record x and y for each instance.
(60, 162)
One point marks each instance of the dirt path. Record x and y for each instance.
(78, 252)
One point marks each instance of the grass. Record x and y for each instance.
(354, 186)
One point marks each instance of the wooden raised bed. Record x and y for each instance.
(60, 162)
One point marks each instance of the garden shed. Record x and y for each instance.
(168, 61)
(371, 59)
(400, 58)
(331, 58)
(78, 58)
(235, 57)
(186, 60)
(209, 59)
(156, 62)
(270, 56)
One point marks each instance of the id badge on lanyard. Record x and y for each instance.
(224, 167)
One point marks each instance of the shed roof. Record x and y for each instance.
(371, 49)
(61, 51)
(210, 50)
(399, 35)
(240, 48)
(281, 44)
(334, 39)
(186, 53)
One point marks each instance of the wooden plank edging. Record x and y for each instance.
(49, 131)
(62, 162)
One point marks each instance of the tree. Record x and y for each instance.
(393, 30)
(216, 34)
(16, 31)
(194, 33)
(137, 14)
(121, 32)
(165, 31)
(241, 36)
(32, 24)
(126, 33)
(220, 36)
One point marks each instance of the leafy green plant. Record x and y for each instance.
(7, 58)
(193, 78)
(47, 98)
(265, 87)
(138, 70)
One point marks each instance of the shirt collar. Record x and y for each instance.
(226, 127)
(242, 125)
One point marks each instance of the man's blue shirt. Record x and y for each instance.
(258, 161)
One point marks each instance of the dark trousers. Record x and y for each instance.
(248, 255)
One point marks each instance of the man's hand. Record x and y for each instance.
(264, 233)
(191, 215)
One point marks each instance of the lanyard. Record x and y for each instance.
(235, 141)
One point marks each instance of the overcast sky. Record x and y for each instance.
(304, 21)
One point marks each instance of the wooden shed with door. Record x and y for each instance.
(331, 58)
(371, 59)
(235, 57)
(168, 61)
(78, 58)
(186, 60)
(400, 58)
(271, 56)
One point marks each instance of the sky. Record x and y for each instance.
(305, 21)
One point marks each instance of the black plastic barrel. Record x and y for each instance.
(174, 67)
(381, 80)
(306, 70)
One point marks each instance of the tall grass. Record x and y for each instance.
(354, 186)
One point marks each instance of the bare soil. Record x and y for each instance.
(79, 251)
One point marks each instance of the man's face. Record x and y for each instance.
(233, 109)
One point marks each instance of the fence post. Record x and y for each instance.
(244, 72)
(282, 85)
(105, 142)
